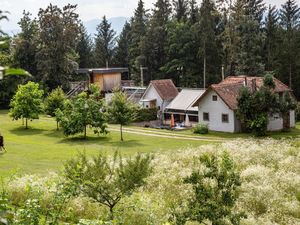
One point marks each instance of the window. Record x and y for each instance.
(205, 116)
(215, 98)
(225, 118)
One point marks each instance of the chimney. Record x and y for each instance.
(245, 82)
(253, 84)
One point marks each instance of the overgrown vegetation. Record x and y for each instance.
(260, 179)
(201, 129)
(256, 106)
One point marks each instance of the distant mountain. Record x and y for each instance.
(117, 24)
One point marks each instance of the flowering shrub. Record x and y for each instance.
(269, 191)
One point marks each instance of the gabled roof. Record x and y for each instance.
(165, 89)
(102, 70)
(185, 99)
(228, 90)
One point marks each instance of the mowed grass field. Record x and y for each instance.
(41, 148)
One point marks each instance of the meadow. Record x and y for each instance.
(41, 148)
(269, 192)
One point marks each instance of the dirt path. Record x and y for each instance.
(166, 134)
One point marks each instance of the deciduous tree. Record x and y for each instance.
(27, 102)
(121, 110)
(105, 181)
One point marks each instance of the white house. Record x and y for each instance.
(159, 94)
(217, 106)
(182, 107)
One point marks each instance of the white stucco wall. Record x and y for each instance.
(151, 93)
(275, 123)
(215, 110)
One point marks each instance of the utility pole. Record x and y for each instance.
(204, 72)
(142, 75)
(106, 64)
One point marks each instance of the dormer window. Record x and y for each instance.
(215, 98)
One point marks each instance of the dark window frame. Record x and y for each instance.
(225, 115)
(205, 116)
(215, 98)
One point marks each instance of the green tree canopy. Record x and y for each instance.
(121, 110)
(83, 111)
(106, 181)
(27, 102)
(215, 190)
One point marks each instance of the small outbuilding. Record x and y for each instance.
(182, 107)
(159, 94)
(106, 79)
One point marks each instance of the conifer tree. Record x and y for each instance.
(137, 35)
(290, 21)
(181, 9)
(105, 44)
(155, 45)
(122, 50)
(85, 49)
(271, 42)
(206, 37)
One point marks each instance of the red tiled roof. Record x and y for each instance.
(229, 89)
(165, 88)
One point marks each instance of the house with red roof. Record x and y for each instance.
(159, 94)
(217, 106)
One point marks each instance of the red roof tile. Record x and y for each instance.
(229, 89)
(165, 88)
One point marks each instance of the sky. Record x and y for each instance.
(87, 9)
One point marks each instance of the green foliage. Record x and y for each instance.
(104, 43)
(29, 214)
(215, 190)
(25, 45)
(80, 112)
(269, 81)
(27, 102)
(255, 107)
(59, 31)
(201, 129)
(54, 101)
(121, 110)
(145, 114)
(107, 182)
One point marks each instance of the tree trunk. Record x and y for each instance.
(26, 123)
(111, 211)
(57, 125)
(286, 121)
(204, 67)
(290, 75)
(85, 132)
(121, 130)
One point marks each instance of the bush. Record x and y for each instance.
(145, 114)
(201, 129)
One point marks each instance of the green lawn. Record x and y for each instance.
(41, 148)
(292, 133)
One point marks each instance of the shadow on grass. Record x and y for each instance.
(22, 131)
(101, 141)
(81, 139)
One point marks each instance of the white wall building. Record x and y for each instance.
(159, 94)
(217, 106)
